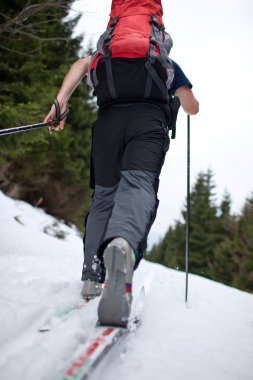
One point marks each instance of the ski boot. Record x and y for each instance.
(91, 289)
(115, 304)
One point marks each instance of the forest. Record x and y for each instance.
(52, 171)
(221, 243)
(37, 49)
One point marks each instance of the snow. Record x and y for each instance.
(211, 337)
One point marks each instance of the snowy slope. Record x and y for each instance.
(210, 338)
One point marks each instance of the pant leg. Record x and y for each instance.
(134, 208)
(96, 224)
(105, 161)
(145, 145)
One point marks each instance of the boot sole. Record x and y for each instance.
(114, 307)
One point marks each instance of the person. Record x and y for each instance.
(129, 144)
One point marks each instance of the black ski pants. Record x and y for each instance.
(129, 145)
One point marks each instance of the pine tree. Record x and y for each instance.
(243, 249)
(204, 224)
(223, 267)
(171, 250)
(49, 171)
(221, 244)
(204, 231)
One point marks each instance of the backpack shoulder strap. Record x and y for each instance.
(156, 38)
(103, 47)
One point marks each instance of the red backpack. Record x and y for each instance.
(131, 61)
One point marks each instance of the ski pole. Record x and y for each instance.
(187, 241)
(30, 127)
(23, 128)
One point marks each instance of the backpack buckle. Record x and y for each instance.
(154, 21)
(153, 41)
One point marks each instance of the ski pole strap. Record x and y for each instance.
(58, 115)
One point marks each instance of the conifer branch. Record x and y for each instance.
(26, 25)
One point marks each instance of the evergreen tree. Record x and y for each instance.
(243, 249)
(204, 231)
(50, 171)
(221, 244)
(171, 250)
(223, 267)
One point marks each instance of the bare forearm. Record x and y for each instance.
(188, 101)
(75, 74)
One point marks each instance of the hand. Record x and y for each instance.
(58, 125)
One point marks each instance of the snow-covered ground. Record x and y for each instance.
(40, 269)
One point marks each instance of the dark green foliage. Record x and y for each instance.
(49, 171)
(223, 266)
(221, 244)
(204, 229)
(243, 249)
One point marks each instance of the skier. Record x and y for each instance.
(135, 82)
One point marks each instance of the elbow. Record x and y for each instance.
(188, 101)
(194, 109)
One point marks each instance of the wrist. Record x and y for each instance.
(62, 99)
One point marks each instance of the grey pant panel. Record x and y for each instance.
(97, 220)
(125, 210)
(134, 207)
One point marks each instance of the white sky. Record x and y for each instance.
(213, 45)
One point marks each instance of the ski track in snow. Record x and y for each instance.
(209, 338)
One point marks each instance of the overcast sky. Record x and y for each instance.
(213, 45)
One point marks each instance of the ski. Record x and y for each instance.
(107, 337)
(94, 352)
(62, 316)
